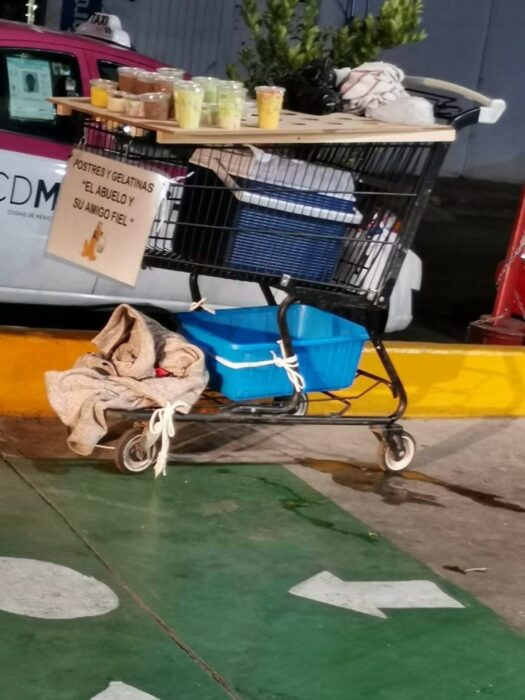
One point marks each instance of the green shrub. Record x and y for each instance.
(285, 36)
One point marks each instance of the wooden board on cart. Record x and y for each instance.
(295, 128)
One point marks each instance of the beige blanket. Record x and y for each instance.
(122, 376)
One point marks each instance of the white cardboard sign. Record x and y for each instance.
(104, 215)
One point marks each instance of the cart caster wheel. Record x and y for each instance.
(302, 407)
(130, 455)
(397, 452)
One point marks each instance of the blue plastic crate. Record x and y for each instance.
(328, 348)
(343, 202)
(268, 241)
(285, 231)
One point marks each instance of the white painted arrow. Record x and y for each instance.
(121, 691)
(368, 597)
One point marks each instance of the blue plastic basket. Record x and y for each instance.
(328, 348)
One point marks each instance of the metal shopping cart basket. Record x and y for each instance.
(320, 214)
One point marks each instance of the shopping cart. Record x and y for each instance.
(320, 215)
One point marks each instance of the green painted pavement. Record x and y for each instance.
(214, 550)
(77, 659)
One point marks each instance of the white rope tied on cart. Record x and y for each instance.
(289, 364)
(196, 305)
(162, 427)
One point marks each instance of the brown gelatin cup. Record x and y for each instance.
(127, 79)
(156, 106)
(146, 82)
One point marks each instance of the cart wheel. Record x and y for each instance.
(302, 408)
(397, 457)
(130, 455)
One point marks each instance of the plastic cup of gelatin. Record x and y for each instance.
(99, 92)
(231, 100)
(190, 98)
(269, 105)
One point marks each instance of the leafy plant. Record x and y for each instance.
(285, 36)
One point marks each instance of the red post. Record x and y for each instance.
(501, 328)
(509, 282)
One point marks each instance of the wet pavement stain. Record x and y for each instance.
(298, 505)
(65, 466)
(392, 487)
(218, 507)
(371, 479)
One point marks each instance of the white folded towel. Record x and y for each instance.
(370, 85)
(376, 90)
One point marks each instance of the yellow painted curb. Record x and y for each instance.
(449, 381)
(441, 380)
(24, 358)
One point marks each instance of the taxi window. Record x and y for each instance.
(108, 70)
(26, 79)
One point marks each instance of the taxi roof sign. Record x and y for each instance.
(105, 27)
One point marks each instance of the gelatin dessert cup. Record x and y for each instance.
(116, 101)
(156, 106)
(231, 100)
(209, 85)
(127, 79)
(190, 98)
(269, 105)
(99, 92)
(145, 82)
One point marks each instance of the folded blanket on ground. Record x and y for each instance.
(122, 376)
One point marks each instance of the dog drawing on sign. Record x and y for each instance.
(95, 244)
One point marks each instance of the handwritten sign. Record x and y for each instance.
(104, 215)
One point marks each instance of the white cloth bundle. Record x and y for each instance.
(376, 90)
(370, 85)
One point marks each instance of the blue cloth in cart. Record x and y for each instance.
(328, 348)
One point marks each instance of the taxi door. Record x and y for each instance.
(34, 147)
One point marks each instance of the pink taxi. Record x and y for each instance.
(34, 147)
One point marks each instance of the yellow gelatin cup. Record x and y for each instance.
(269, 105)
(99, 92)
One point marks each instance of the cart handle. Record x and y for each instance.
(490, 110)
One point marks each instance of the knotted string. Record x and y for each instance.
(162, 427)
(196, 305)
